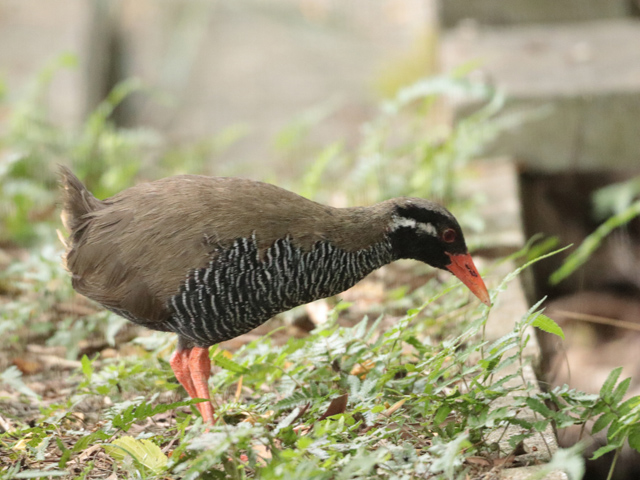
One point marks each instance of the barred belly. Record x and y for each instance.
(242, 288)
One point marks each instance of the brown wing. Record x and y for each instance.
(135, 252)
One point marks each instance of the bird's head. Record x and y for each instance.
(425, 231)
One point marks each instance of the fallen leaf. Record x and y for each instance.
(302, 429)
(481, 461)
(82, 458)
(363, 368)
(239, 388)
(40, 362)
(28, 366)
(519, 450)
(21, 446)
(263, 453)
(504, 461)
(252, 419)
(109, 353)
(393, 408)
(338, 405)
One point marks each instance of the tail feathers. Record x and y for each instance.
(77, 201)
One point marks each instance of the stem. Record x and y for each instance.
(613, 463)
(584, 426)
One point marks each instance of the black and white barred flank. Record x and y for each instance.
(240, 290)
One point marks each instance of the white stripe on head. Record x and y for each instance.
(428, 228)
(399, 222)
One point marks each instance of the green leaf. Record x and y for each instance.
(540, 248)
(87, 367)
(592, 242)
(144, 452)
(441, 415)
(601, 423)
(516, 272)
(293, 400)
(417, 344)
(628, 405)
(137, 412)
(620, 391)
(286, 421)
(607, 387)
(66, 454)
(604, 450)
(12, 377)
(538, 406)
(227, 364)
(83, 442)
(634, 438)
(548, 325)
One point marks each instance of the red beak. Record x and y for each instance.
(462, 267)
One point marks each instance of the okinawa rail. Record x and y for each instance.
(210, 258)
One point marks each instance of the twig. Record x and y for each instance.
(585, 317)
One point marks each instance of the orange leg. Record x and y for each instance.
(180, 366)
(192, 368)
(200, 368)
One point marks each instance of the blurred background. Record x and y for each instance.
(235, 73)
(351, 102)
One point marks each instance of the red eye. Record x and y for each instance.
(449, 235)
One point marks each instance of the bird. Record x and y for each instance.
(210, 258)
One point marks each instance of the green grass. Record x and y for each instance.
(418, 402)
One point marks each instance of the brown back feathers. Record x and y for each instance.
(133, 251)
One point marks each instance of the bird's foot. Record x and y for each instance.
(192, 368)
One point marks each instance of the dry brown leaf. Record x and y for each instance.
(263, 453)
(393, 408)
(37, 363)
(87, 453)
(21, 446)
(28, 366)
(302, 429)
(519, 450)
(337, 405)
(239, 388)
(361, 369)
(480, 461)
(504, 461)
(109, 353)
(252, 419)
